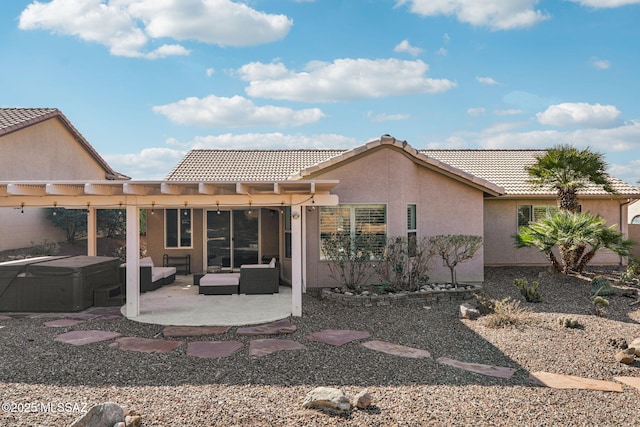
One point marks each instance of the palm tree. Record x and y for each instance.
(567, 169)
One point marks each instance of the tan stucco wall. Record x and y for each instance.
(634, 234)
(387, 176)
(44, 151)
(500, 225)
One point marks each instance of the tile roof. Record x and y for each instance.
(501, 168)
(506, 168)
(246, 165)
(14, 119)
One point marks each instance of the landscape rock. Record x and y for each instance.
(627, 356)
(132, 420)
(363, 399)
(636, 344)
(120, 424)
(327, 398)
(102, 415)
(469, 312)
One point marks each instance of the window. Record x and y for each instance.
(287, 231)
(177, 228)
(530, 213)
(412, 232)
(355, 220)
(636, 220)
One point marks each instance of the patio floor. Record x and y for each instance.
(180, 304)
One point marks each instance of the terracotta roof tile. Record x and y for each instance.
(15, 118)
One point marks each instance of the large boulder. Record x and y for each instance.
(467, 311)
(636, 344)
(327, 398)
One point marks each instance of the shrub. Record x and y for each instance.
(599, 306)
(349, 259)
(44, 248)
(484, 304)
(530, 292)
(507, 312)
(455, 249)
(600, 286)
(568, 322)
(404, 264)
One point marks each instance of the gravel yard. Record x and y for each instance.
(173, 389)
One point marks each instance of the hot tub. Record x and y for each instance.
(55, 284)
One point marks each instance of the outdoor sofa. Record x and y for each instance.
(151, 277)
(260, 278)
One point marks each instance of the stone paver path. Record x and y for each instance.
(337, 337)
(551, 380)
(86, 337)
(276, 328)
(213, 349)
(492, 371)
(263, 347)
(62, 323)
(193, 331)
(630, 381)
(145, 345)
(396, 349)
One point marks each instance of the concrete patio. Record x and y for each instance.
(180, 304)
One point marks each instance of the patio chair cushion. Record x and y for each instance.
(219, 284)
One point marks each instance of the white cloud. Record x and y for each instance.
(508, 112)
(579, 113)
(148, 164)
(127, 27)
(405, 46)
(214, 111)
(387, 117)
(475, 111)
(341, 80)
(276, 140)
(210, 71)
(600, 64)
(442, 52)
(495, 14)
(486, 81)
(604, 4)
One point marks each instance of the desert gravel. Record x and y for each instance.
(173, 389)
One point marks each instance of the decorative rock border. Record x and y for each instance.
(424, 296)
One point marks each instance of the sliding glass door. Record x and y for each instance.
(232, 238)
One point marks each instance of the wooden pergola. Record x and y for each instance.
(136, 195)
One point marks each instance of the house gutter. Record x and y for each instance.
(621, 258)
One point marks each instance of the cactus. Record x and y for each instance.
(600, 286)
(568, 322)
(530, 293)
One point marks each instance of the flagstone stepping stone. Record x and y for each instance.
(280, 327)
(396, 349)
(145, 345)
(630, 381)
(551, 380)
(213, 349)
(193, 331)
(86, 337)
(263, 347)
(489, 370)
(5, 318)
(337, 337)
(62, 323)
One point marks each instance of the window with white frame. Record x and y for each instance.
(355, 220)
(531, 213)
(412, 229)
(177, 228)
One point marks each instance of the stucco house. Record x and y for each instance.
(38, 144)
(385, 185)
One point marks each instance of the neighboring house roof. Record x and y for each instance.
(496, 171)
(506, 168)
(15, 119)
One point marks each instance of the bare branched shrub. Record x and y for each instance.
(404, 263)
(507, 312)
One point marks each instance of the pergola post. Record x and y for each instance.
(92, 231)
(133, 260)
(296, 261)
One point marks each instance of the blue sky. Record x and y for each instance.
(146, 80)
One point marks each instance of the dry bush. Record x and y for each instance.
(507, 312)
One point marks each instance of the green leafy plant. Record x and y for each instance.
(508, 312)
(577, 236)
(530, 292)
(45, 247)
(568, 322)
(455, 249)
(600, 286)
(350, 259)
